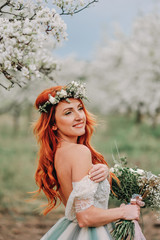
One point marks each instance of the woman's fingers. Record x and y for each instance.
(99, 166)
(133, 201)
(122, 205)
(96, 167)
(95, 172)
(98, 172)
(98, 176)
(100, 179)
(138, 212)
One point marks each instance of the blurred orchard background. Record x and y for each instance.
(120, 64)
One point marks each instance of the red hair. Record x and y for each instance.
(45, 175)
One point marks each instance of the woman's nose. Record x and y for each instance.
(78, 115)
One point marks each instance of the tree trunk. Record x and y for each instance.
(138, 117)
(16, 123)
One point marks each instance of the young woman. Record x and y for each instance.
(71, 171)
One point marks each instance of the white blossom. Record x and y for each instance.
(26, 26)
(32, 67)
(7, 64)
(21, 39)
(25, 72)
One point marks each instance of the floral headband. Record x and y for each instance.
(72, 90)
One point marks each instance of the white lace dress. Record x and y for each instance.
(85, 193)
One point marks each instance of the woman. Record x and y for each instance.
(66, 157)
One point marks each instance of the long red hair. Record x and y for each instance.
(45, 176)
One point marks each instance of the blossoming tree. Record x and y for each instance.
(125, 72)
(29, 32)
(26, 26)
(20, 100)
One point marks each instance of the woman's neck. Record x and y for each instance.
(65, 141)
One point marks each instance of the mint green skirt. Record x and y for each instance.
(68, 230)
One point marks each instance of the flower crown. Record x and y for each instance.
(72, 90)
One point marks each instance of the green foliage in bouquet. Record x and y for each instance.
(133, 182)
(124, 229)
(128, 183)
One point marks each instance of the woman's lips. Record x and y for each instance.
(79, 125)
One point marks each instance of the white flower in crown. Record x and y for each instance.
(76, 84)
(72, 90)
(52, 99)
(62, 93)
(83, 91)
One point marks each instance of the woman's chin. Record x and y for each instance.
(80, 132)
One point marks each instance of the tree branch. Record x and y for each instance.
(5, 4)
(13, 14)
(11, 79)
(7, 75)
(66, 13)
(3, 86)
(31, 18)
(18, 16)
(52, 79)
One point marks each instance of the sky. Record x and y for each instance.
(86, 29)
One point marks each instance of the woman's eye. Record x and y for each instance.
(81, 108)
(67, 113)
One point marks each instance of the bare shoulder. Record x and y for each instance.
(78, 151)
(74, 158)
(81, 161)
(73, 151)
(81, 149)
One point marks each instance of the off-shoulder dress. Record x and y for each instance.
(85, 193)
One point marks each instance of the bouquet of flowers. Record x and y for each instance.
(135, 184)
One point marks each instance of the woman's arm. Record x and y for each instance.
(95, 217)
(81, 163)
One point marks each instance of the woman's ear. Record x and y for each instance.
(54, 127)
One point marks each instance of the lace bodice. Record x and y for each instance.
(86, 193)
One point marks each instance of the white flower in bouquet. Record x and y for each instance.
(137, 171)
(140, 171)
(133, 183)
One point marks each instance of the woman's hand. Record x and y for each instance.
(130, 212)
(99, 172)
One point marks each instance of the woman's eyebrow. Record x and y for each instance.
(70, 108)
(67, 109)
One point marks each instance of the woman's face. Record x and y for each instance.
(70, 120)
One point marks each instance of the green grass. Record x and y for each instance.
(140, 143)
(17, 160)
